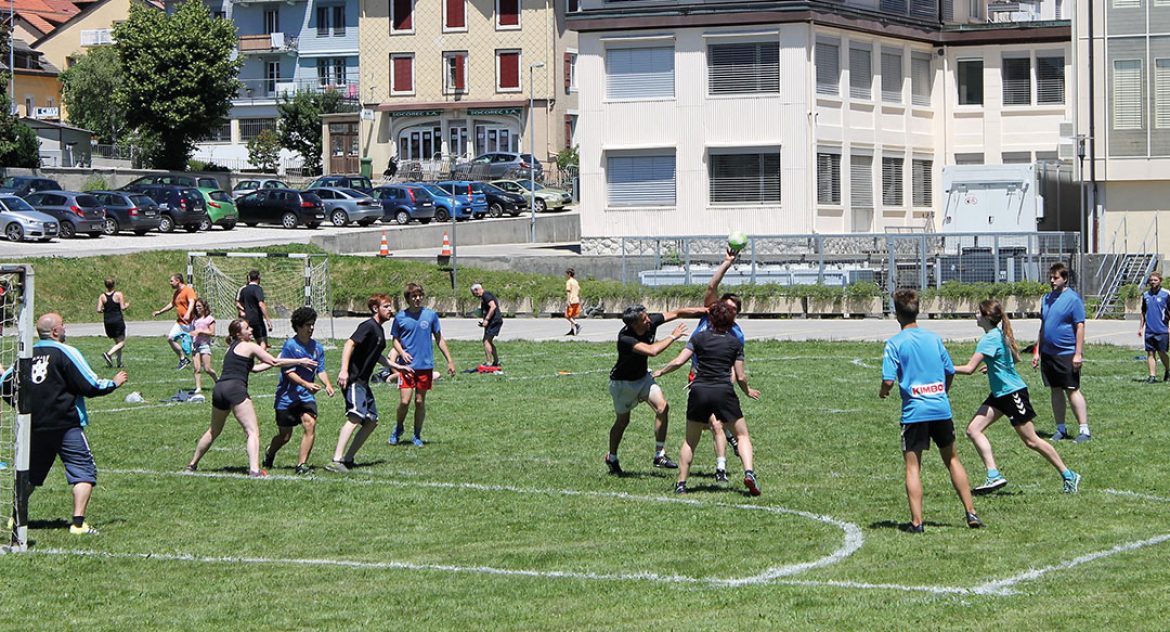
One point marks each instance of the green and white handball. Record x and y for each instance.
(737, 240)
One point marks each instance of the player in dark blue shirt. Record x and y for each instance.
(1059, 351)
(296, 394)
(1154, 330)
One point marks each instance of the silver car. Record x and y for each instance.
(22, 222)
(244, 187)
(343, 205)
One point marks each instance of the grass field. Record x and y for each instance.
(507, 520)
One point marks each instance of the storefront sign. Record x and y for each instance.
(416, 113)
(493, 112)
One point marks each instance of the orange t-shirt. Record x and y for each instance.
(184, 296)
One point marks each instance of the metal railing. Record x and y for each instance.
(254, 89)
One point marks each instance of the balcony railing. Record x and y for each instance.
(270, 89)
(267, 43)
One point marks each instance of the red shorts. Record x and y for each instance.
(573, 311)
(419, 379)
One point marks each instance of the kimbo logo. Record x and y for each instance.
(928, 389)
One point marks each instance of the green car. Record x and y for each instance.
(546, 198)
(221, 210)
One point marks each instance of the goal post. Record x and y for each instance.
(16, 341)
(290, 280)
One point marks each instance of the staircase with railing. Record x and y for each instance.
(1126, 268)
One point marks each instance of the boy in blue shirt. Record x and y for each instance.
(1059, 352)
(917, 362)
(412, 331)
(1153, 329)
(296, 394)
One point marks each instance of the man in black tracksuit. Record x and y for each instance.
(58, 379)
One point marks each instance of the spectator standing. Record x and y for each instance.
(1153, 327)
(573, 302)
(491, 321)
(111, 305)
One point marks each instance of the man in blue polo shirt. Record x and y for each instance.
(1153, 329)
(1060, 351)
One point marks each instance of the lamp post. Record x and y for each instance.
(532, 150)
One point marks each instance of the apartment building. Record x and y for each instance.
(444, 80)
(36, 85)
(700, 118)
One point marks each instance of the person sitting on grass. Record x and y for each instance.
(917, 362)
(296, 401)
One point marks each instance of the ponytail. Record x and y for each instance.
(234, 331)
(992, 310)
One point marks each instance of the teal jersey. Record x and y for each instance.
(1001, 366)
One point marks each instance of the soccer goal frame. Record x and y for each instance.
(219, 281)
(17, 291)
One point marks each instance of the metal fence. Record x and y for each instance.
(919, 260)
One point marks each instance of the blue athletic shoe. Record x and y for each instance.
(417, 441)
(394, 438)
(1072, 485)
(1059, 436)
(1083, 437)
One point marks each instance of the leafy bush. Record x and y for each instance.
(95, 182)
(1130, 292)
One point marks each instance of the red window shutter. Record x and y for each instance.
(403, 80)
(460, 69)
(509, 70)
(568, 130)
(456, 16)
(509, 12)
(403, 15)
(568, 71)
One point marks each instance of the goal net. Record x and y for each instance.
(16, 340)
(289, 280)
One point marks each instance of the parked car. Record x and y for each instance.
(20, 222)
(404, 202)
(361, 183)
(172, 179)
(75, 212)
(286, 207)
(128, 211)
(244, 187)
(499, 164)
(21, 186)
(448, 205)
(177, 206)
(546, 198)
(501, 201)
(473, 190)
(221, 209)
(343, 206)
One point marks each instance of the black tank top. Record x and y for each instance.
(112, 310)
(235, 367)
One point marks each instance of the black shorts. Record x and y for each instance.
(720, 401)
(1157, 342)
(1058, 372)
(228, 394)
(916, 437)
(291, 416)
(491, 330)
(116, 330)
(73, 448)
(1016, 406)
(359, 402)
(259, 329)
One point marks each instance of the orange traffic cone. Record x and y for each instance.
(384, 248)
(446, 252)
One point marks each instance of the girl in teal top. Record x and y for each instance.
(1008, 398)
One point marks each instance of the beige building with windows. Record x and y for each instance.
(819, 118)
(445, 80)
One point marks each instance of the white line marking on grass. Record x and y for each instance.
(1120, 492)
(859, 362)
(1003, 586)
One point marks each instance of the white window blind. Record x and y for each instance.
(745, 178)
(861, 181)
(828, 178)
(828, 68)
(892, 181)
(892, 77)
(641, 180)
(743, 68)
(1127, 94)
(860, 73)
(920, 88)
(1050, 79)
(639, 73)
(922, 181)
(1162, 93)
(1127, 4)
(1017, 81)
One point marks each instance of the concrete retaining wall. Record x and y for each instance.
(550, 228)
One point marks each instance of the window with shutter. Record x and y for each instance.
(455, 72)
(828, 68)
(1127, 4)
(455, 15)
(828, 178)
(970, 81)
(969, 159)
(924, 8)
(640, 180)
(1050, 79)
(861, 181)
(507, 13)
(639, 73)
(507, 71)
(401, 16)
(401, 74)
(894, 6)
(892, 181)
(860, 73)
(892, 76)
(743, 68)
(739, 178)
(322, 21)
(570, 72)
(920, 75)
(1162, 93)
(1017, 81)
(1127, 94)
(1016, 157)
(922, 181)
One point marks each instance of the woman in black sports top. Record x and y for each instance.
(231, 392)
(110, 305)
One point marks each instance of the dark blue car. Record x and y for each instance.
(473, 191)
(404, 202)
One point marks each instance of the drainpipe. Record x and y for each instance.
(1092, 132)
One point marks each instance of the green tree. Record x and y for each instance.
(264, 150)
(18, 142)
(300, 124)
(89, 89)
(180, 76)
